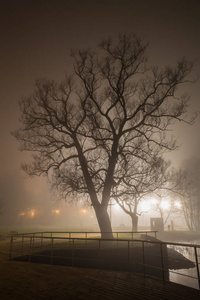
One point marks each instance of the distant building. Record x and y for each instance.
(157, 224)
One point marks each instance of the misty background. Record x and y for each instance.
(36, 39)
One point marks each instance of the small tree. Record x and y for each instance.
(166, 204)
(140, 182)
(84, 131)
(189, 193)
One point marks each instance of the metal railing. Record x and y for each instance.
(147, 257)
(91, 234)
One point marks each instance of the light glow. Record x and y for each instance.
(145, 205)
(29, 212)
(165, 205)
(116, 206)
(22, 214)
(154, 201)
(177, 204)
(56, 211)
(83, 210)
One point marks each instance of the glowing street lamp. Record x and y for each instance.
(145, 206)
(56, 211)
(177, 204)
(30, 213)
(165, 205)
(83, 211)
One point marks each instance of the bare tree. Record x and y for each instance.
(166, 204)
(142, 182)
(85, 131)
(189, 192)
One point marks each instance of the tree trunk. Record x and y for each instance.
(103, 221)
(134, 219)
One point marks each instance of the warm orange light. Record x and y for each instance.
(22, 213)
(56, 211)
(83, 210)
(31, 213)
(28, 213)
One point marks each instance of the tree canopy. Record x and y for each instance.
(108, 120)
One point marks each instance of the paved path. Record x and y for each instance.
(52, 282)
(29, 281)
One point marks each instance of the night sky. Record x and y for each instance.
(36, 39)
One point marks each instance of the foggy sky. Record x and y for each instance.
(36, 39)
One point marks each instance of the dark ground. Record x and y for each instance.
(20, 280)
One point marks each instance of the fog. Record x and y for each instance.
(36, 39)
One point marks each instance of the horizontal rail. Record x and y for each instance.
(29, 235)
(86, 232)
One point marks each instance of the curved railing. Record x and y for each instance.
(146, 255)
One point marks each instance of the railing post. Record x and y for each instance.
(129, 266)
(51, 251)
(143, 259)
(41, 239)
(99, 241)
(33, 239)
(30, 249)
(86, 239)
(22, 244)
(72, 252)
(162, 262)
(117, 240)
(11, 244)
(197, 265)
